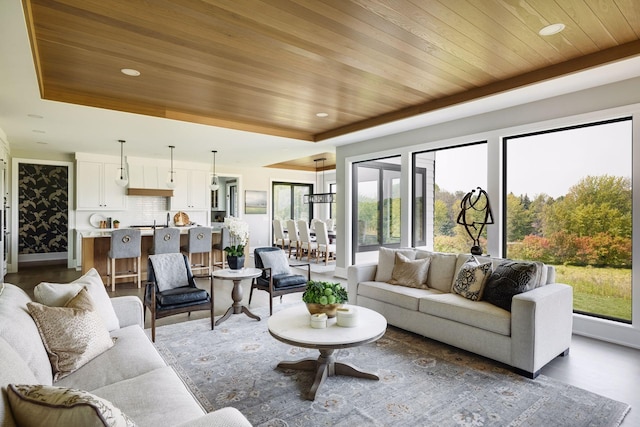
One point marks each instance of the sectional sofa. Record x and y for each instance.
(524, 321)
(128, 383)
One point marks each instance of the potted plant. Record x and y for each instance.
(324, 297)
(116, 223)
(239, 235)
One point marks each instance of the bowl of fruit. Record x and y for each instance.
(324, 297)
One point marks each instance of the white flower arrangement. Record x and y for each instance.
(239, 233)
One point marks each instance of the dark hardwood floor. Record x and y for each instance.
(607, 369)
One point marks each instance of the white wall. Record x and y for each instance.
(607, 101)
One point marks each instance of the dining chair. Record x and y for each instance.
(294, 241)
(306, 244)
(278, 234)
(324, 246)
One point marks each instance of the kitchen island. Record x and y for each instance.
(96, 244)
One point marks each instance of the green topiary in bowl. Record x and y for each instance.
(324, 297)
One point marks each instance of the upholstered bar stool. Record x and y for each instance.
(125, 244)
(199, 242)
(165, 241)
(218, 248)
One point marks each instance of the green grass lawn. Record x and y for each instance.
(601, 291)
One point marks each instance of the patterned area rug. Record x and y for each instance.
(422, 382)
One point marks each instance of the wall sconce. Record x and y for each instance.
(122, 179)
(171, 182)
(214, 179)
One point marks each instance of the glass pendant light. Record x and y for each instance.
(171, 182)
(214, 179)
(122, 179)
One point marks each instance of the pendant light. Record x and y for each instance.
(214, 179)
(320, 197)
(122, 179)
(171, 182)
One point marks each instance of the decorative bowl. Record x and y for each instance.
(329, 309)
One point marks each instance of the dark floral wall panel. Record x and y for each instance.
(43, 208)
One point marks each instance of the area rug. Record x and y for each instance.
(422, 382)
(320, 267)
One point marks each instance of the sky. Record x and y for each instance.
(548, 163)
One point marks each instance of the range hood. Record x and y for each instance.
(155, 192)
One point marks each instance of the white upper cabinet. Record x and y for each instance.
(96, 186)
(192, 189)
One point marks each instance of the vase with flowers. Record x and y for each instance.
(239, 237)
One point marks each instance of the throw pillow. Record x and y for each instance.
(508, 279)
(51, 406)
(411, 273)
(277, 261)
(386, 261)
(471, 279)
(72, 335)
(58, 294)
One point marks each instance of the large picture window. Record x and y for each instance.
(377, 205)
(288, 201)
(441, 179)
(568, 196)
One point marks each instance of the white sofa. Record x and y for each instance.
(535, 331)
(131, 374)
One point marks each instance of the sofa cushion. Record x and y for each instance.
(72, 335)
(412, 273)
(401, 296)
(442, 269)
(471, 279)
(132, 355)
(387, 259)
(58, 294)
(34, 405)
(511, 278)
(161, 398)
(19, 330)
(13, 369)
(478, 314)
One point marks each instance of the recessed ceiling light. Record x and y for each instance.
(130, 72)
(35, 116)
(39, 131)
(322, 115)
(41, 142)
(552, 29)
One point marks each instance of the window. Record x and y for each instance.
(377, 205)
(288, 201)
(441, 179)
(568, 203)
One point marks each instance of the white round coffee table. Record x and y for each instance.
(292, 326)
(237, 276)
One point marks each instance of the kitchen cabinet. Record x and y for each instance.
(96, 187)
(191, 192)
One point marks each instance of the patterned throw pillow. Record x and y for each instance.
(58, 294)
(508, 279)
(42, 405)
(471, 279)
(412, 273)
(72, 335)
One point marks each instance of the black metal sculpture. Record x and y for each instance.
(475, 214)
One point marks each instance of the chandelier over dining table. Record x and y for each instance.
(320, 197)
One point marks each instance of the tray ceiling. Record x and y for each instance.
(270, 66)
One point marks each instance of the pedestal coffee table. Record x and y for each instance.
(292, 326)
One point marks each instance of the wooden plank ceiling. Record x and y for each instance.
(270, 66)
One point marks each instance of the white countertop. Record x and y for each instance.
(106, 232)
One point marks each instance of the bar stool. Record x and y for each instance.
(199, 242)
(218, 248)
(125, 244)
(165, 241)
